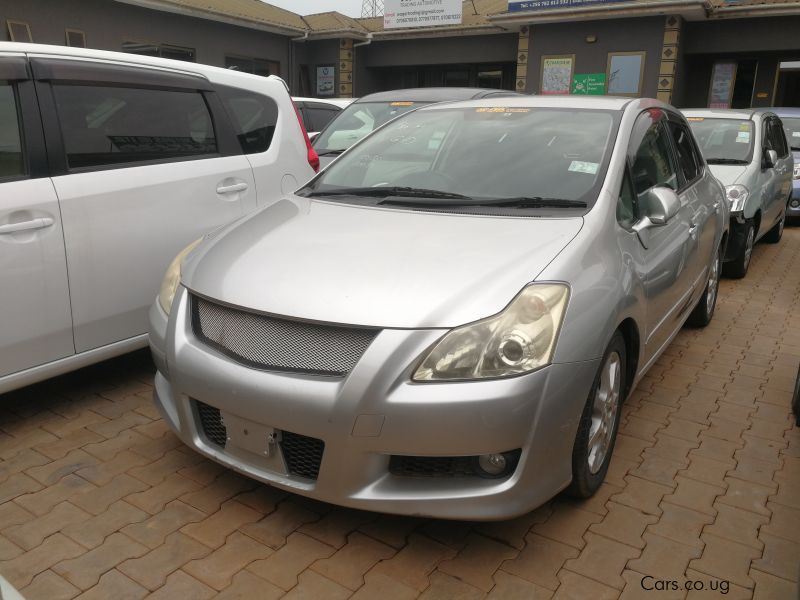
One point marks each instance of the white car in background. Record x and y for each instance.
(111, 163)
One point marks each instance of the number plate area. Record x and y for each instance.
(254, 438)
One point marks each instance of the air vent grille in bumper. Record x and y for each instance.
(432, 466)
(274, 344)
(303, 455)
(211, 424)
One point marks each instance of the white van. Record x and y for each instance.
(111, 163)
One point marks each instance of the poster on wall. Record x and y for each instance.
(722, 78)
(400, 14)
(625, 73)
(326, 81)
(589, 84)
(556, 74)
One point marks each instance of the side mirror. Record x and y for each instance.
(770, 159)
(662, 204)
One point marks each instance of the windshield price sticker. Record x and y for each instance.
(401, 104)
(579, 166)
(743, 137)
(695, 119)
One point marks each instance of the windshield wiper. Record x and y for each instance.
(727, 161)
(516, 202)
(330, 152)
(383, 192)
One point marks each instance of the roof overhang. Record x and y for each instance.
(398, 34)
(691, 10)
(214, 16)
(741, 11)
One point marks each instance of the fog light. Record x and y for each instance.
(794, 203)
(492, 464)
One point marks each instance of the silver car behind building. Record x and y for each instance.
(446, 321)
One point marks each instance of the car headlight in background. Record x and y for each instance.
(737, 196)
(796, 172)
(518, 340)
(173, 277)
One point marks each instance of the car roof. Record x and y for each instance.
(585, 102)
(340, 102)
(720, 113)
(786, 111)
(434, 94)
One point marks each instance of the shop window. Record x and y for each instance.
(456, 78)
(624, 74)
(744, 84)
(490, 79)
(19, 31)
(76, 38)
(255, 66)
(160, 50)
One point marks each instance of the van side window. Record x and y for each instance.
(254, 118)
(11, 159)
(688, 160)
(778, 138)
(104, 125)
(650, 154)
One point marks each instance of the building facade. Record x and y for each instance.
(721, 53)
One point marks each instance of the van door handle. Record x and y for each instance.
(693, 230)
(39, 223)
(230, 189)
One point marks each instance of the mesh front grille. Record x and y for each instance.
(303, 455)
(274, 344)
(211, 424)
(432, 466)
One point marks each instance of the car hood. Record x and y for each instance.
(728, 174)
(381, 267)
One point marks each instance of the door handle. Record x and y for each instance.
(230, 189)
(39, 223)
(693, 230)
(715, 206)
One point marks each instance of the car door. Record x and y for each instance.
(669, 251)
(784, 167)
(699, 196)
(145, 162)
(34, 294)
(772, 178)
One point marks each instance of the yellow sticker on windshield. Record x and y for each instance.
(695, 118)
(401, 104)
(502, 109)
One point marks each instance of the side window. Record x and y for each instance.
(626, 205)
(320, 116)
(779, 136)
(104, 125)
(12, 163)
(650, 154)
(687, 158)
(254, 118)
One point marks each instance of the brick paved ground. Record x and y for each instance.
(99, 500)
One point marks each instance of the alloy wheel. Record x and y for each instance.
(604, 412)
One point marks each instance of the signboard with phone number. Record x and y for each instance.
(523, 5)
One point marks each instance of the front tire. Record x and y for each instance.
(704, 311)
(597, 430)
(737, 268)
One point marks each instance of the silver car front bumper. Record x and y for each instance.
(374, 412)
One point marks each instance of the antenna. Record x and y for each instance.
(371, 8)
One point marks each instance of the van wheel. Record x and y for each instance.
(704, 311)
(774, 235)
(737, 268)
(597, 429)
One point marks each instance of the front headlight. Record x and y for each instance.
(173, 277)
(515, 341)
(737, 196)
(796, 172)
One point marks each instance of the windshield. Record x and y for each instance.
(489, 153)
(356, 121)
(792, 127)
(723, 140)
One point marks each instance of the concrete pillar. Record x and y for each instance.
(670, 49)
(346, 59)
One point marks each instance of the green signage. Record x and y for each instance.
(589, 84)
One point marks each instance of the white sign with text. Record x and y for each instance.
(401, 14)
